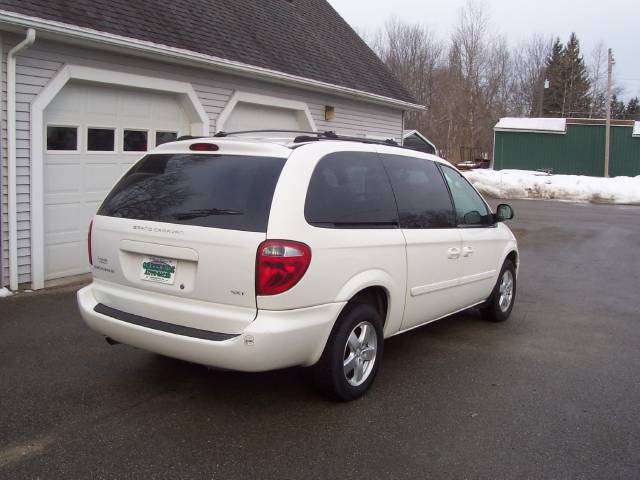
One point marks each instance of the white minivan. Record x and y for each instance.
(255, 255)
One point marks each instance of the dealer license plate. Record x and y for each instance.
(159, 270)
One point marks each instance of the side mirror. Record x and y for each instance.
(504, 212)
(472, 218)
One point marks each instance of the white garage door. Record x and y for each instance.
(249, 116)
(93, 133)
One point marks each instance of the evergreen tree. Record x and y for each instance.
(618, 108)
(568, 93)
(633, 108)
(577, 85)
(552, 103)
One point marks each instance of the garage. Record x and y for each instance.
(88, 95)
(92, 134)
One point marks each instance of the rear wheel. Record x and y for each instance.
(353, 353)
(500, 304)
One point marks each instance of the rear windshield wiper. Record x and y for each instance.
(205, 212)
(380, 225)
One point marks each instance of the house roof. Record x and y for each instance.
(408, 133)
(305, 38)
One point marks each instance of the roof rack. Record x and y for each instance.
(311, 136)
(241, 132)
(187, 137)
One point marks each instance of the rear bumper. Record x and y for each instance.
(275, 339)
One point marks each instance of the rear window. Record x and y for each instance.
(350, 190)
(220, 191)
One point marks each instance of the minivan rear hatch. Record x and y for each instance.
(176, 238)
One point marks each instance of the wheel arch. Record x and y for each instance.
(378, 288)
(376, 296)
(514, 257)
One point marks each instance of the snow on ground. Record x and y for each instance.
(511, 184)
(4, 292)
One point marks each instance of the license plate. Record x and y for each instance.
(159, 270)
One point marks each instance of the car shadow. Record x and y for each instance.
(412, 350)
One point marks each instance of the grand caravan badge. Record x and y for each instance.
(159, 270)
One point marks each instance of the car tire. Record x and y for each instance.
(500, 303)
(352, 355)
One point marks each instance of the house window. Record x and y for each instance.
(165, 137)
(101, 139)
(62, 139)
(134, 141)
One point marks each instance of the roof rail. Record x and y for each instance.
(346, 138)
(241, 132)
(310, 136)
(187, 137)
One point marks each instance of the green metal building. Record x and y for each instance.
(573, 146)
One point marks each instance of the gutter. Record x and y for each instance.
(11, 156)
(210, 61)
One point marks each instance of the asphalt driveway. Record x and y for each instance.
(552, 393)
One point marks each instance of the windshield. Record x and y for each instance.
(220, 191)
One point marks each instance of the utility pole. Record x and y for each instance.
(607, 141)
(544, 85)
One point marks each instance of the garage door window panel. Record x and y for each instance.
(165, 137)
(101, 139)
(134, 140)
(62, 139)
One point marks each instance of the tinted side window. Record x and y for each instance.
(422, 196)
(350, 190)
(220, 191)
(470, 208)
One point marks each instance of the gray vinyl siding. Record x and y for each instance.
(38, 64)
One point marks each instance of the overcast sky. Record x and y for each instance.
(615, 22)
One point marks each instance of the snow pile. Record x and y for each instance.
(4, 292)
(577, 188)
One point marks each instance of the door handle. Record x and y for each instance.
(453, 253)
(467, 251)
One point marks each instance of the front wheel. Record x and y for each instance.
(500, 304)
(353, 353)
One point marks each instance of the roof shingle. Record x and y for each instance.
(306, 38)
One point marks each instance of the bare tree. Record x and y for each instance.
(529, 69)
(598, 78)
(413, 54)
(469, 48)
(468, 82)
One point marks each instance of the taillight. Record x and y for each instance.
(89, 243)
(203, 147)
(280, 264)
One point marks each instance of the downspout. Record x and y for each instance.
(402, 131)
(2, 161)
(11, 156)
